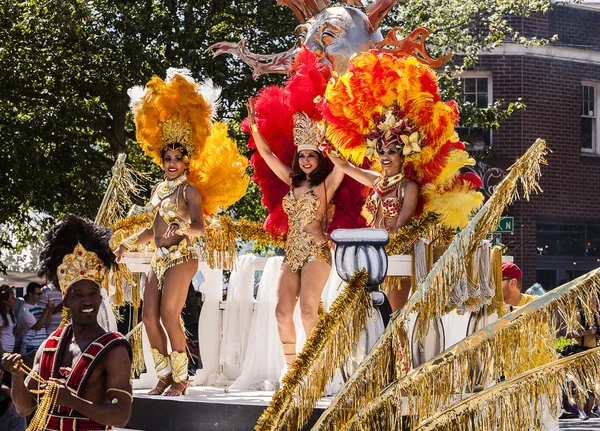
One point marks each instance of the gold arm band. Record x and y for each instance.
(130, 242)
(254, 127)
(123, 391)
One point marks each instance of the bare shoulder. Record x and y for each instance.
(410, 185)
(119, 354)
(192, 192)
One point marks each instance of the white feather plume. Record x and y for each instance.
(135, 96)
(211, 94)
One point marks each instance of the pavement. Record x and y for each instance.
(579, 425)
(564, 424)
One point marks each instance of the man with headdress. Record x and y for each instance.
(82, 370)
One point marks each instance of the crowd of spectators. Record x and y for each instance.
(25, 323)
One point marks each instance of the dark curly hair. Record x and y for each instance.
(64, 236)
(315, 178)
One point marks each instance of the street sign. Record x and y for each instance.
(507, 224)
(496, 238)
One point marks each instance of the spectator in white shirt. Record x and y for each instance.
(33, 321)
(51, 292)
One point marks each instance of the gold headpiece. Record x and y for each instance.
(176, 131)
(308, 135)
(80, 265)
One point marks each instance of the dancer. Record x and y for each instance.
(307, 261)
(173, 121)
(93, 366)
(387, 110)
(393, 200)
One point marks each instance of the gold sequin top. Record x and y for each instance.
(301, 212)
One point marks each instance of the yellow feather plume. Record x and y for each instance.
(453, 206)
(219, 172)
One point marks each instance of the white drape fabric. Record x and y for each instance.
(237, 316)
(264, 358)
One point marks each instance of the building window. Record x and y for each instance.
(589, 123)
(477, 90)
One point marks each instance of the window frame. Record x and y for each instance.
(470, 74)
(595, 150)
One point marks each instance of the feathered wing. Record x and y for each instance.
(219, 172)
(375, 82)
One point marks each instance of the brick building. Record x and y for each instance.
(557, 233)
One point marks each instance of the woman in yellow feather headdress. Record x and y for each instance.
(388, 110)
(203, 171)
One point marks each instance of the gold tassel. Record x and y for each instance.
(326, 349)
(393, 282)
(138, 365)
(117, 200)
(517, 403)
(515, 343)
(497, 305)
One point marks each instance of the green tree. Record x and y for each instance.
(66, 67)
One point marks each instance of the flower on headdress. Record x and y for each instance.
(411, 143)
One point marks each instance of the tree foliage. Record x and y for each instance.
(66, 67)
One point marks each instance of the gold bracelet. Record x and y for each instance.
(123, 391)
(254, 127)
(183, 225)
(130, 242)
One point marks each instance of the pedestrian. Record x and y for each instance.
(32, 322)
(7, 319)
(51, 293)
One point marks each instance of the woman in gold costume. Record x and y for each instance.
(203, 171)
(307, 261)
(393, 200)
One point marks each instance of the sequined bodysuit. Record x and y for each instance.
(300, 246)
(390, 206)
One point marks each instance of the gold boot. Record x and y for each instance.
(179, 364)
(163, 371)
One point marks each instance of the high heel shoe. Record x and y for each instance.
(163, 370)
(181, 380)
(161, 386)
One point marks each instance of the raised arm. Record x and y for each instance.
(363, 176)
(113, 413)
(277, 166)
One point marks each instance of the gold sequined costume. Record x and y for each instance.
(300, 246)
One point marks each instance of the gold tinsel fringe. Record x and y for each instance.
(220, 236)
(453, 264)
(433, 296)
(123, 184)
(380, 368)
(138, 365)
(497, 304)
(326, 349)
(521, 402)
(515, 343)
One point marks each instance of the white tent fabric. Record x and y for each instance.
(237, 316)
(264, 359)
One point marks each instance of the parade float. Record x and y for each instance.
(452, 358)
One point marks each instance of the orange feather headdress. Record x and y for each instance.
(181, 110)
(383, 97)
